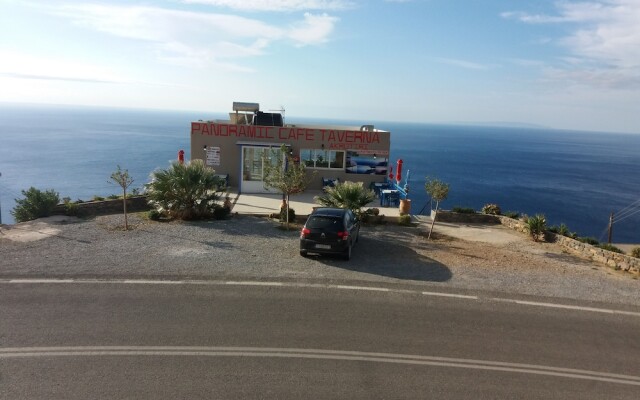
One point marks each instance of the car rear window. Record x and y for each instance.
(331, 224)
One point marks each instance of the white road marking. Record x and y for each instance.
(254, 283)
(460, 296)
(194, 351)
(567, 307)
(375, 289)
(316, 286)
(41, 280)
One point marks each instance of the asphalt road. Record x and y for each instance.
(150, 341)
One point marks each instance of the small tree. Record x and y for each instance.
(438, 191)
(36, 204)
(281, 172)
(123, 179)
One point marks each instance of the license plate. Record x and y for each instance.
(323, 246)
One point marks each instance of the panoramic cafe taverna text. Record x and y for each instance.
(238, 148)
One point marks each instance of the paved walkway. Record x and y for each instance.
(303, 204)
(265, 204)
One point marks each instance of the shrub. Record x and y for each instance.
(492, 209)
(283, 215)
(512, 214)
(221, 212)
(97, 198)
(185, 191)
(588, 240)
(607, 246)
(561, 230)
(113, 197)
(154, 215)
(36, 204)
(404, 220)
(351, 195)
(635, 252)
(463, 210)
(71, 209)
(537, 226)
(371, 215)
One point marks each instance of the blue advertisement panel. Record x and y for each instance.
(370, 164)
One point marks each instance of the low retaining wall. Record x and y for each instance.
(450, 216)
(92, 208)
(610, 258)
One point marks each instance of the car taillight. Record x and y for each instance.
(304, 232)
(344, 235)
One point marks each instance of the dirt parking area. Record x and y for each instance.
(494, 259)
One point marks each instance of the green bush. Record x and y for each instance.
(36, 204)
(97, 198)
(71, 209)
(154, 215)
(283, 215)
(351, 195)
(512, 214)
(221, 212)
(537, 225)
(492, 209)
(607, 246)
(404, 220)
(588, 240)
(561, 230)
(113, 197)
(185, 191)
(635, 252)
(463, 210)
(372, 216)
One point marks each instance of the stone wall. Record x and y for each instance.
(610, 258)
(93, 208)
(450, 216)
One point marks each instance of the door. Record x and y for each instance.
(253, 159)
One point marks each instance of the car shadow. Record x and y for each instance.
(392, 259)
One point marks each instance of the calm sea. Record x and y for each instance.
(577, 178)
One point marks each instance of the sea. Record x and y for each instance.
(572, 177)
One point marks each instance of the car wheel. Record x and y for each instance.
(347, 253)
(303, 253)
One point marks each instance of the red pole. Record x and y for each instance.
(181, 156)
(399, 171)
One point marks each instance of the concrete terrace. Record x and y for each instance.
(303, 203)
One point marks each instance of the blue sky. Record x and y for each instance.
(561, 64)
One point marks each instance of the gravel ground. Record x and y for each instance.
(251, 248)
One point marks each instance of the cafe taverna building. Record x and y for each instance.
(238, 148)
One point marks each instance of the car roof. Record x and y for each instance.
(330, 211)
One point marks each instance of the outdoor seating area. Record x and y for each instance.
(389, 198)
(329, 182)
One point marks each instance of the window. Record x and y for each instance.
(316, 158)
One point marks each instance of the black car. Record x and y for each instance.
(330, 231)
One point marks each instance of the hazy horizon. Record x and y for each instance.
(568, 65)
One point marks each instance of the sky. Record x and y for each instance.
(559, 64)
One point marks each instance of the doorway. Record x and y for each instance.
(253, 163)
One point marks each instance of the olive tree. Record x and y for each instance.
(282, 173)
(123, 179)
(438, 191)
